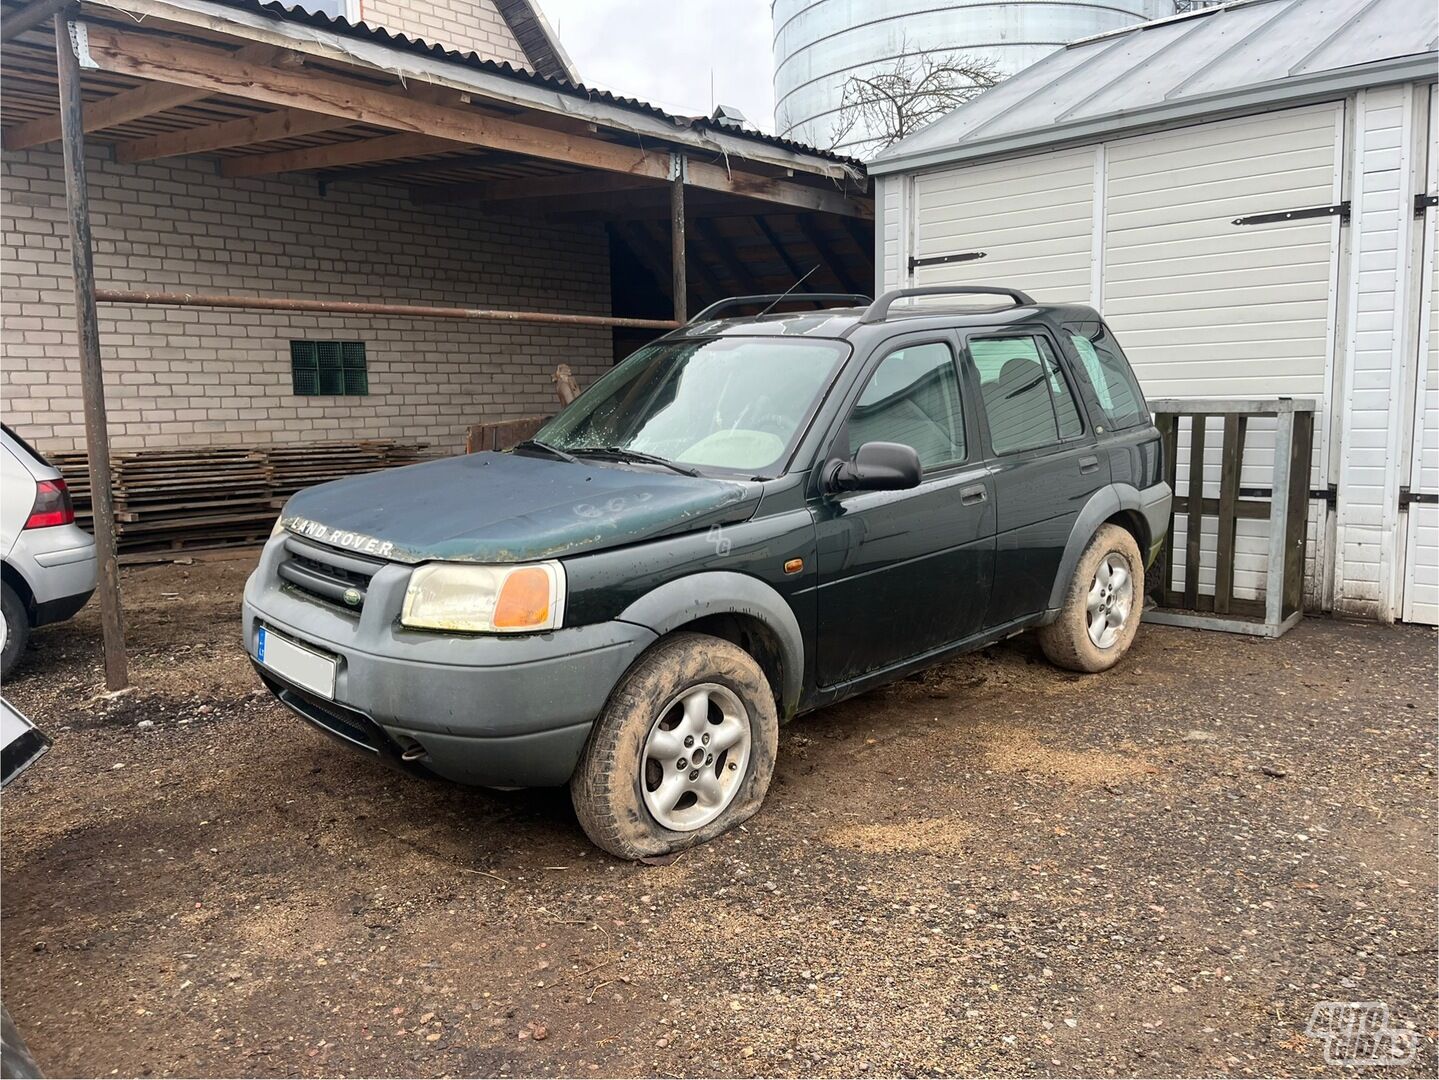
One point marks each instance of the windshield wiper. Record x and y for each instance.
(546, 448)
(619, 453)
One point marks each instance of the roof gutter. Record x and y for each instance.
(1294, 90)
(329, 45)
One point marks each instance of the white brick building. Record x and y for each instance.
(345, 207)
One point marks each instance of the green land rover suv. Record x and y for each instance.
(747, 519)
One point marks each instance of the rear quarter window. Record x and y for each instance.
(1105, 366)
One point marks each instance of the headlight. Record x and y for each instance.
(485, 599)
(278, 529)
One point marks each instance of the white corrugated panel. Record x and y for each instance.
(1421, 569)
(1207, 308)
(1031, 217)
(887, 197)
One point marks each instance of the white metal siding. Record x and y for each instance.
(1032, 217)
(1421, 570)
(1376, 356)
(888, 239)
(1207, 308)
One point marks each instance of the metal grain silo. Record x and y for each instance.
(819, 45)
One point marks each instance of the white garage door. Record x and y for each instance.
(1208, 308)
(1421, 555)
(1024, 223)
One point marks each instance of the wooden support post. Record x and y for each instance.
(92, 385)
(677, 236)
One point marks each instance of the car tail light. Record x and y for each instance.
(52, 505)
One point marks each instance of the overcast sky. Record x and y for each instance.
(663, 51)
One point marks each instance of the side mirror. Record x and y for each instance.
(877, 466)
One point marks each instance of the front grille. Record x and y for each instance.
(337, 579)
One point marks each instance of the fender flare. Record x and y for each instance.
(723, 592)
(1102, 505)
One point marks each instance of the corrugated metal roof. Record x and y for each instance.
(1252, 52)
(379, 35)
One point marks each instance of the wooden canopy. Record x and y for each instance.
(268, 94)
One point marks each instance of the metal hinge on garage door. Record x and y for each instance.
(1408, 498)
(1339, 210)
(941, 260)
(1424, 202)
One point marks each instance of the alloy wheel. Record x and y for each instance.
(1111, 600)
(695, 757)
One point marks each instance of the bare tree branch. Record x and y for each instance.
(909, 92)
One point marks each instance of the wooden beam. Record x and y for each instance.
(28, 18)
(677, 237)
(565, 185)
(171, 60)
(129, 105)
(267, 127)
(92, 377)
(336, 155)
(821, 245)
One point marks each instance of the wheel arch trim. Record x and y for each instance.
(1102, 505)
(722, 592)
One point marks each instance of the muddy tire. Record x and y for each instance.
(15, 629)
(684, 750)
(1102, 606)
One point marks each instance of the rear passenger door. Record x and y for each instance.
(1044, 461)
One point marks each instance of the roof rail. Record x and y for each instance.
(878, 310)
(856, 299)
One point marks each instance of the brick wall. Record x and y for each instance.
(464, 25)
(191, 376)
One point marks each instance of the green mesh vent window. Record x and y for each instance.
(328, 368)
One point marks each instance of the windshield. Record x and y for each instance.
(724, 403)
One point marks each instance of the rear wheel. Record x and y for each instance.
(683, 752)
(1102, 606)
(14, 628)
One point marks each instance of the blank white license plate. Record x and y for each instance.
(302, 666)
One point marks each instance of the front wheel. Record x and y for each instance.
(1102, 606)
(683, 752)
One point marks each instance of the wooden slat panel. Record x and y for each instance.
(1229, 466)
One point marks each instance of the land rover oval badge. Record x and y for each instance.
(352, 597)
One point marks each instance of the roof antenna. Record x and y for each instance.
(791, 289)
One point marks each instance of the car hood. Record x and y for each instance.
(505, 508)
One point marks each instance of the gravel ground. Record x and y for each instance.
(995, 868)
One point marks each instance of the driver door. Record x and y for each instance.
(904, 573)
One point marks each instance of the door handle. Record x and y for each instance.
(1088, 464)
(975, 493)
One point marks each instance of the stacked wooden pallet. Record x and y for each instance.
(187, 498)
(303, 466)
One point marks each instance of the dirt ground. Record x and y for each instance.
(995, 868)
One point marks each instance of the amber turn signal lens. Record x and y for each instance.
(794, 566)
(524, 599)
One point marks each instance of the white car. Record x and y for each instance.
(47, 561)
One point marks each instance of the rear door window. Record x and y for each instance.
(1108, 371)
(1024, 392)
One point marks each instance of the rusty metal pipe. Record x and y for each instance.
(353, 307)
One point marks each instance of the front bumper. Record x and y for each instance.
(498, 711)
